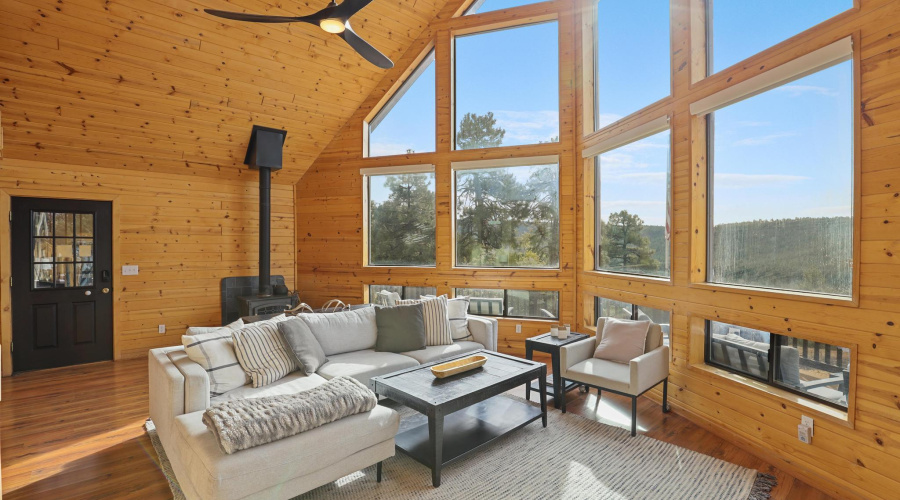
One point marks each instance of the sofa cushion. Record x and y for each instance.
(197, 330)
(363, 365)
(437, 319)
(303, 344)
(262, 352)
(436, 352)
(400, 328)
(344, 331)
(606, 374)
(217, 475)
(293, 383)
(214, 352)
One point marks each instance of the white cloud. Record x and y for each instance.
(528, 127)
(798, 90)
(764, 139)
(724, 180)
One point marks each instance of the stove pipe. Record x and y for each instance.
(264, 153)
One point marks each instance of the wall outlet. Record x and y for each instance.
(162, 328)
(518, 328)
(804, 434)
(129, 270)
(809, 422)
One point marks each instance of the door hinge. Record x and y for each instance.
(10, 346)
(10, 281)
(10, 215)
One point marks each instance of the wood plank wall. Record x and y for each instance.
(184, 232)
(852, 457)
(159, 85)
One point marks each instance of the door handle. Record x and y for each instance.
(104, 276)
(87, 292)
(106, 290)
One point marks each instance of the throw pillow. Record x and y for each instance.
(457, 309)
(345, 331)
(400, 328)
(622, 340)
(303, 344)
(197, 330)
(262, 353)
(437, 319)
(214, 351)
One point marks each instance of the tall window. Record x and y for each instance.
(781, 186)
(511, 303)
(734, 29)
(632, 67)
(507, 216)
(634, 206)
(813, 369)
(608, 308)
(401, 215)
(406, 123)
(507, 87)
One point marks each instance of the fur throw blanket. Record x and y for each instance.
(245, 423)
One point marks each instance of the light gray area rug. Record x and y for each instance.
(573, 458)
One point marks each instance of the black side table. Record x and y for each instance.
(550, 345)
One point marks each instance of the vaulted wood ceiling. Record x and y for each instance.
(159, 85)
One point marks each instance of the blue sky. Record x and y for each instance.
(785, 153)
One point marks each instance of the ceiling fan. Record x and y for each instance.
(334, 18)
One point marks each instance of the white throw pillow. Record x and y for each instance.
(214, 351)
(262, 352)
(197, 330)
(437, 319)
(457, 309)
(622, 340)
(345, 331)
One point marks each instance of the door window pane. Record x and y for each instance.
(782, 187)
(818, 370)
(65, 225)
(84, 274)
(633, 57)
(739, 348)
(64, 250)
(65, 275)
(401, 220)
(634, 207)
(42, 223)
(84, 250)
(84, 225)
(43, 276)
(508, 217)
(735, 25)
(406, 122)
(43, 250)
(507, 87)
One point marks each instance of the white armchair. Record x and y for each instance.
(577, 363)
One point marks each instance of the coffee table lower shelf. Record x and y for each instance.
(468, 429)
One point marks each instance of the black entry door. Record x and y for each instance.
(61, 282)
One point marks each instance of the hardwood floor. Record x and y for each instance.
(78, 433)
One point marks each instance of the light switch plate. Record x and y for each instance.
(162, 328)
(518, 328)
(129, 270)
(809, 422)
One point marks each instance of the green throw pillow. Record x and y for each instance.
(400, 328)
(303, 344)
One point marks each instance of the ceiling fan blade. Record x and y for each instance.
(370, 53)
(349, 7)
(255, 18)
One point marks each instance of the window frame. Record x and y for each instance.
(702, 133)
(479, 29)
(770, 358)
(366, 173)
(506, 291)
(395, 94)
(630, 136)
(501, 163)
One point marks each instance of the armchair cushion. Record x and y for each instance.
(622, 340)
(602, 373)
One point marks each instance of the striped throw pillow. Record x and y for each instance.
(214, 351)
(262, 352)
(437, 319)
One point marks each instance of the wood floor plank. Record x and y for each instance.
(94, 446)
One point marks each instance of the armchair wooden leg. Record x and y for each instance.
(633, 416)
(666, 395)
(562, 404)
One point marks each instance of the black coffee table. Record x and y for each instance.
(463, 411)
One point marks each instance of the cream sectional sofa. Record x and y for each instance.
(179, 394)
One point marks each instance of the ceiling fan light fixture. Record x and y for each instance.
(332, 25)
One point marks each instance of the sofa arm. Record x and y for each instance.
(196, 381)
(484, 331)
(166, 392)
(649, 369)
(576, 352)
